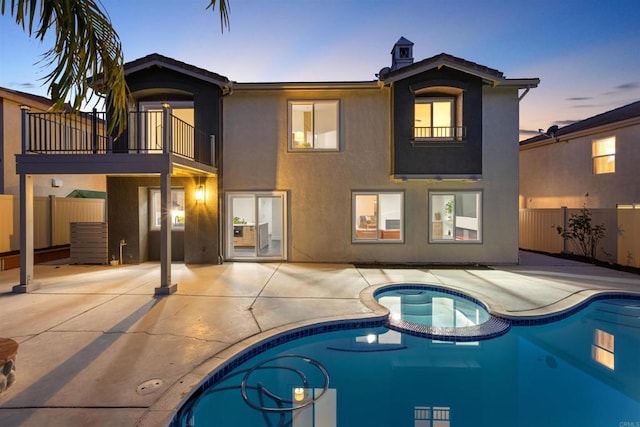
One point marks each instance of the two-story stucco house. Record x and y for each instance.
(592, 163)
(588, 164)
(417, 166)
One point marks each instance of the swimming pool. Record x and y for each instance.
(582, 370)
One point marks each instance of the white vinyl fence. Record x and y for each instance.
(52, 217)
(621, 244)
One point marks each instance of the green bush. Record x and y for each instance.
(580, 231)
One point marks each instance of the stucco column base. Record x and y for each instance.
(23, 289)
(166, 290)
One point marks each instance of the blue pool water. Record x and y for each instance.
(583, 370)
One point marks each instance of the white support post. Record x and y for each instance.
(26, 236)
(166, 287)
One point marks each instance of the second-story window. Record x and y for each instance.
(438, 115)
(603, 153)
(313, 125)
(434, 118)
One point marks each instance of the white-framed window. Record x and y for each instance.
(603, 154)
(455, 216)
(177, 209)
(314, 125)
(434, 118)
(378, 216)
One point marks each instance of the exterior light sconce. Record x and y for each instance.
(200, 194)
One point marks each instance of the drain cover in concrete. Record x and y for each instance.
(149, 386)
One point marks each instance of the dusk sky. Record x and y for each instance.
(586, 52)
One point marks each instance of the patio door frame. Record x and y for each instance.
(229, 226)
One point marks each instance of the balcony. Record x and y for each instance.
(153, 142)
(87, 133)
(437, 134)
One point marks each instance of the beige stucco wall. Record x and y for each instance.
(560, 174)
(320, 184)
(12, 140)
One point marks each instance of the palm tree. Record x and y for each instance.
(86, 45)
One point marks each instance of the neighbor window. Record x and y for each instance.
(378, 217)
(176, 207)
(455, 216)
(313, 125)
(603, 152)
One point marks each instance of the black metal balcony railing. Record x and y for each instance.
(87, 133)
(66, 133)
(440, 133)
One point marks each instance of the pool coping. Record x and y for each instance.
(165, 409)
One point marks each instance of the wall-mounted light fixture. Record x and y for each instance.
(200, 195)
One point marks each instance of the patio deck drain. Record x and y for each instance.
(149, 386)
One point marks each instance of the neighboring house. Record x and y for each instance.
(60, 185)
(592, 163)
(589, 164)
(419, 166)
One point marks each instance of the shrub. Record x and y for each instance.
(580, 231)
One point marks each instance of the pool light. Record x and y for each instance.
(298, 394)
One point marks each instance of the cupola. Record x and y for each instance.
(401, 54)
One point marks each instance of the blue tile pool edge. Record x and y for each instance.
(599, 295)
(514, 319)
(218, 374)
(493, 327)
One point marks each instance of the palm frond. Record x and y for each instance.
(85, 45)
(224, 12)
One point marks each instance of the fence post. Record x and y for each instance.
(565, 223)
(25, 128)
(52, 220)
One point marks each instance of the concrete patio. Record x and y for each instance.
(98, 348)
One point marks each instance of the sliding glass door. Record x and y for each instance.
(255, 226)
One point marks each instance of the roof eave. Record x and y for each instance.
(372, 84)
(223, 83)
(439, 63)
(527, 83)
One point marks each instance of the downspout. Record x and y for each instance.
(219, 159)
